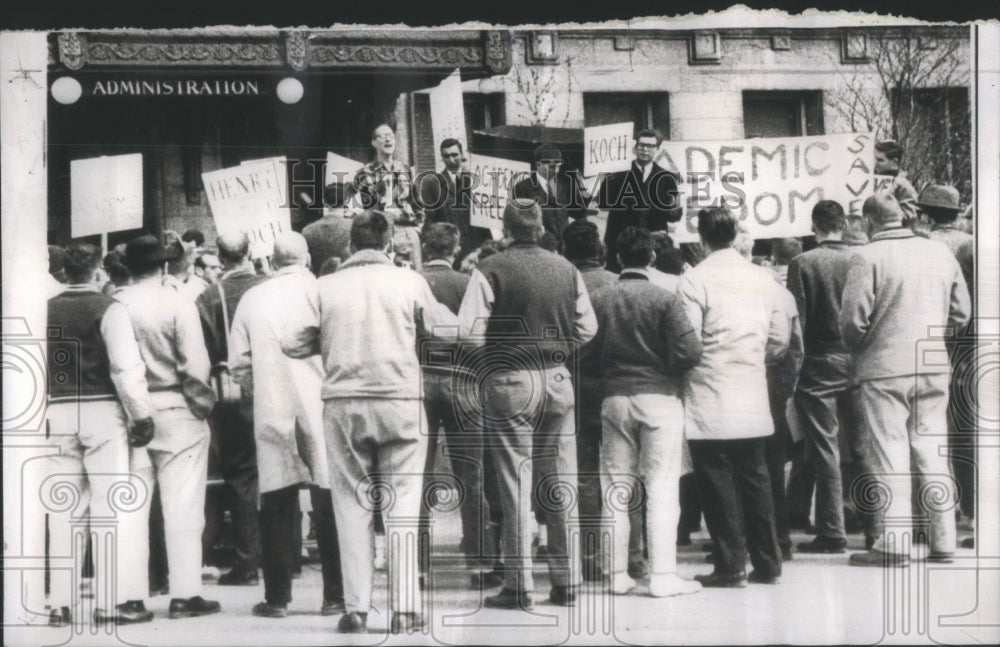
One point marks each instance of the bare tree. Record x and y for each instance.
(540, 92)
(914, 90)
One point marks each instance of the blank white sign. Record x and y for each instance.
(105, 194)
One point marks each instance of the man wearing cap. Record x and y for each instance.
(644, 196)
(904, 299)
(529, 309)
(554, 191)
(288, 426)
(98, 405)
(888, 160)
(940, 203)
(172, 346)
(232, 422)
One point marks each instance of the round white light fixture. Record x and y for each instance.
(290, 90)
(66, 90)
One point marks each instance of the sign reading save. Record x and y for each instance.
(772, 184)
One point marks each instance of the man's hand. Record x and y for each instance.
(141, 432)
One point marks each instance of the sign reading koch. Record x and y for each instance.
(180, 87)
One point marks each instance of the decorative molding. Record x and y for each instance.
(72, 49)
(781, 42)
(183, 54)
(624, 43)
(439, 56)
(297, 49)
(705, 48)
(497, 51)
(543, 48)
(853, 47)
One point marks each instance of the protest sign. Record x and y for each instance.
(448, 111)
(607, 149)
(340, 169)
(251, 198)
(493, 183)
(772, 184)
(105, 194)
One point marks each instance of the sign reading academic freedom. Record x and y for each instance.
(177, 87)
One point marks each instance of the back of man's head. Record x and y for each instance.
(785, 249)
(57, 259)
(522, 220)
(290, 248)
(882, 209)
(80, 262)
(370, 230)
(828, 217)
(717, 227)
(635, 247)
(440, 241)
(582, 242)
(193, 236)
(183, 258)
(233, 249)
(114, 265)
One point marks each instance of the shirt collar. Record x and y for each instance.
(893, 234)
(640, 273)
(832, 243)
(293, 269)
(367, 257)
(80, 287)
(236, 271)
(589, 266)
(438, 262)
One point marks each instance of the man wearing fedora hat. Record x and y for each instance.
(172, 346)
(941, 203)
(904, 299)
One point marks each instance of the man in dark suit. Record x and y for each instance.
(447, 197)
(644, 196)
(555, 192)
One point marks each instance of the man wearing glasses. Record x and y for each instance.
(557, 195)
(644, 196)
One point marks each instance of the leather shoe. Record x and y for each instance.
(761, 578)
(879, 558)
(238, 578)
(127, 613)
(354, 622)
(968, 542)
(268, 610)
(722, 580)
(563, 596)
(59, 617)
(332, 607)
(192, 607)
(406, 622)
(486, 579)
(823, 545)
(638, 569)
(509, 599)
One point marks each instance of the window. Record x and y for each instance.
(644, 109)
(782, 114)
(481, 111)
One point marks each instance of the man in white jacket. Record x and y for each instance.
(288, 425)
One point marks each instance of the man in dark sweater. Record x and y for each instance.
(557, 194)
(464, 438)
(529, 309)
(644, 344)
(817, 279)
(232, 423)
(97, 391)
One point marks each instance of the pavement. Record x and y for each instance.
(820, 599)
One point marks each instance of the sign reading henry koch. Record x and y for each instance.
(607, 149)
(492, 183)
(772, 184)
(251, 198)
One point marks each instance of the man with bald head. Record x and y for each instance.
(232, 423)
(904, 300)
(288, 426)
(529, 309)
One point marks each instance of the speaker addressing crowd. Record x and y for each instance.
(626, 389)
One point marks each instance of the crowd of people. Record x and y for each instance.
(580, 389)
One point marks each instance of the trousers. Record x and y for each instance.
(279, 516)
(92, 468)
(232, 429)
(735, 491)
(907, 416)
(534, 446)
(643, 439)
(368, 437)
